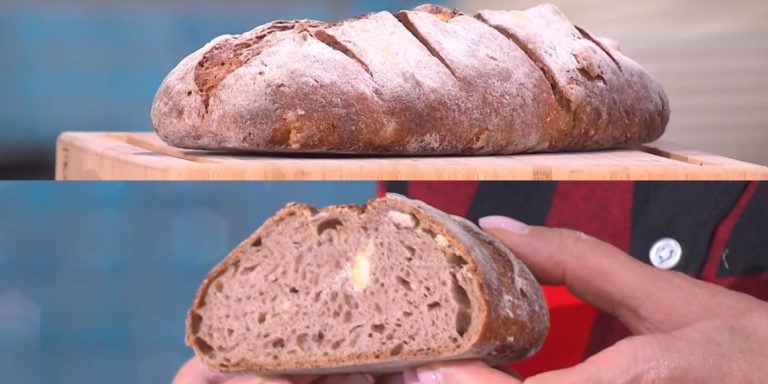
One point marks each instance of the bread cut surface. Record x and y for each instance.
(422, 82)
(371, 288)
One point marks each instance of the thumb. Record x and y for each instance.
(457, 372)
(630, 360)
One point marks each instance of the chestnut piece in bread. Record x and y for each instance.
(373, 288)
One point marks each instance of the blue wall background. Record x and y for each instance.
(90, 65)
(96, 278)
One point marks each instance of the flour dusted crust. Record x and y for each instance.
(509, 314)
(422, 82)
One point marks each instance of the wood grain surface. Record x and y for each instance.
(142, 156)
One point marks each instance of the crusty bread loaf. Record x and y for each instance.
(421, 82)
(373, 288)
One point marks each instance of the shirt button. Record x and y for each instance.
(666, 253)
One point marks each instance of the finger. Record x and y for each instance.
(265, 379)
(510, 371)
(457, 372)
(643, 298)
(631, 360)
(391, 379)
(194, 372)
(345, 379)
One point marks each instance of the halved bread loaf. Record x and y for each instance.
(370, 288)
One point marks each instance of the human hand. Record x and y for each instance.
(193, 372)
(685, 330)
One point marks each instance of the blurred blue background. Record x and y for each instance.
(96, 278)
(89, 65)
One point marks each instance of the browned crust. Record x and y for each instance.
(441, 12)
(612, 102)
(230, 54)
(274, 89)
(496, 335)
(500, 338)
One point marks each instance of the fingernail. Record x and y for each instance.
(504, 223)
(410, 377)
(428, 375)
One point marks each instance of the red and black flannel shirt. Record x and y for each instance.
(722, 228)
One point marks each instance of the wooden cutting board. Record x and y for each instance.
(142, 156)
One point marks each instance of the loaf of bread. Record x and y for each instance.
(373, 288)
(423, 82)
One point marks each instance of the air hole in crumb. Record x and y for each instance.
(411, 250)
(301, 341)
(377, 308)
(247, 270)
(396, 350)
(335, 314)
(523, 294)
(293, 290)
(262, 317)
(336, 344)
(203, 346)
(407, 314)
(328, 224)
(194, 322)
(256, 242)
(219, 286)
(189, 93)
(463, 321)
(404, 283)
(390, 336)
(347, 316)
(454, 340)
(350, 301)
(459, 293)
(319, 337)
(230, 331)
(433, 305)
(456, 260)
(334, 296)
(278, 343)
(378, 328)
